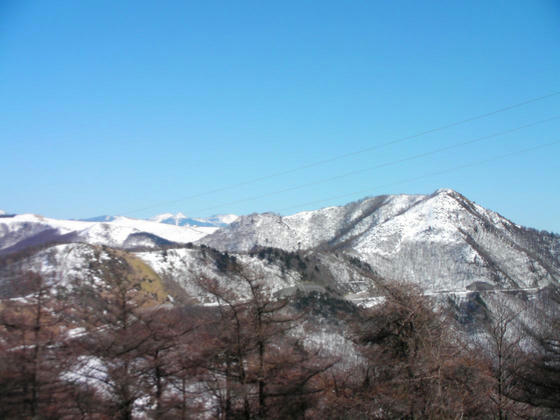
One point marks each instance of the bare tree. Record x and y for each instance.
(161, 356)
(537, 376)
(266, 372)
(503, 347)
(415, 365)
(31, 338)
(113, 316)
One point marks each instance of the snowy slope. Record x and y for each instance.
(20, 231)
(306, 230)
(68, 267)
(181, 234)
(446, 242)
(442, 241)
(61, 264)
(29, 229)
(188, 267)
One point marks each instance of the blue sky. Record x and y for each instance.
(141, 107)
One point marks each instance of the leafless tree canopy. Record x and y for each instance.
(115, 352)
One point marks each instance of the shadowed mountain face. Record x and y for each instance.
(441, 241)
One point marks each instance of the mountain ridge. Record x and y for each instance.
(22, 230)
(441, 240)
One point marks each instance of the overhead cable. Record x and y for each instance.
(349, 154)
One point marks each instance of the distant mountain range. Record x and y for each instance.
(18, 232)
(22, 231)
(178, 219)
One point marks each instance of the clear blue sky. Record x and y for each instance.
(127, 107)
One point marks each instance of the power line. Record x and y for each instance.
(409, 180)
(381, 165)
(346, 155)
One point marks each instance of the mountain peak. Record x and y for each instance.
(447, 191)
(442, 241)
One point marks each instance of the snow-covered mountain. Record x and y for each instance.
(441, 241)
(472, 262)
(180, 219)
(463, 255)
(21, 231)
